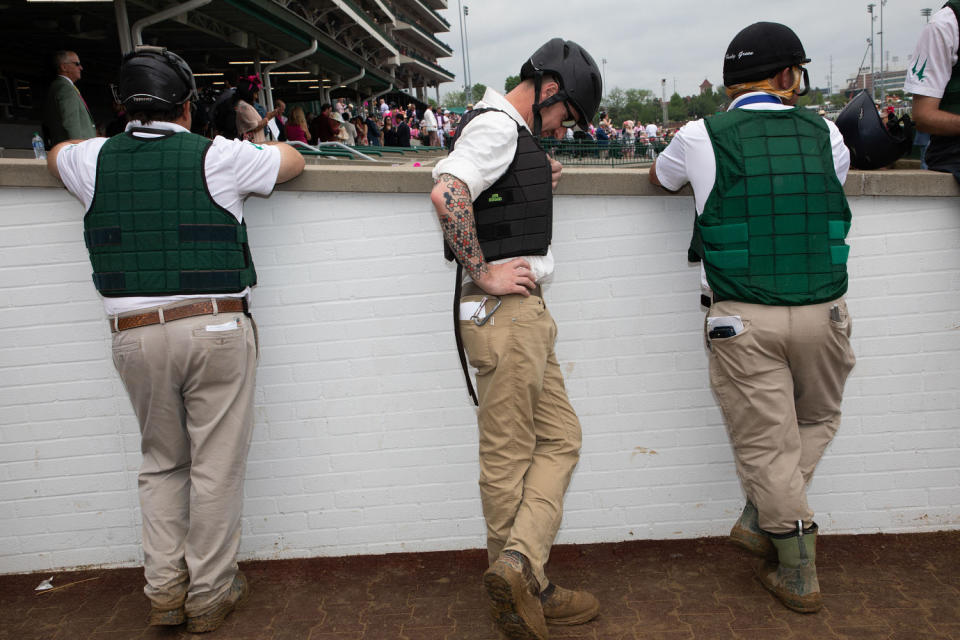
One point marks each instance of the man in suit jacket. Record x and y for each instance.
(403, 134)
(65, 113)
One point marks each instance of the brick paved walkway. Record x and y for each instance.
(878, 586)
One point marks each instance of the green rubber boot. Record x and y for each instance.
(793, 579)
(747, 534)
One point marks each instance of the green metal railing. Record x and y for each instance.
(357, 152)
(610, 153)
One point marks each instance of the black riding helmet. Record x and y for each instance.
(576, 73)
(153, 78)
(759, 51)
(871, 145)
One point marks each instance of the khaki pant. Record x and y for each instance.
(780, 384)
(192, 390)
(529, 433)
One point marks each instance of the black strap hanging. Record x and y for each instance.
(458, 287)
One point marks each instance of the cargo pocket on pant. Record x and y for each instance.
(126, 352)
(221, 352)
(844, 324)
(842, 329)
(476, 339)
(476, 342)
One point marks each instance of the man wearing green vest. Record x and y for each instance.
(769, 232)
(934, 80)
(168, 244)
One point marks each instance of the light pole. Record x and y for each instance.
(830, 82)
(663, 99)
(883, 55)
(926, 13)
(603, 61)
(463, 45)
(466, 53)
(873, 77)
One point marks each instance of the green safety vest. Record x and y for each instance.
(153, 228)
(951, 93)
(772, 230)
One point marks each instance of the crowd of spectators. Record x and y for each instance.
(237, 112)
(628, 132)
(380, 125)
(629, 140)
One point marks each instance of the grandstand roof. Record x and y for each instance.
(216, 36)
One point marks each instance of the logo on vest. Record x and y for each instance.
(496, 197)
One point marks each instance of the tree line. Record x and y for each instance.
(619, 104)
(645, 106)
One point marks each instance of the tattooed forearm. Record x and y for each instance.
(459, 227)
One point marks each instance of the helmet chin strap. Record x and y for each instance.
(537, 119)
(766, 85)
(538, 106)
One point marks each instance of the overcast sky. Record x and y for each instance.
(680, 40)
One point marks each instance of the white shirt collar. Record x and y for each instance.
(65, 78)
(493, 99)
(164, 126)
(738, 99)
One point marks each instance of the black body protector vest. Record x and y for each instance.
(514, 217)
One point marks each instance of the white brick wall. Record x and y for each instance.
(365, 440)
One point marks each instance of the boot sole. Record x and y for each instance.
(505, 610)
(789, 601)
(752, 543)
(570, 621)
(171, 618)
(216, 620)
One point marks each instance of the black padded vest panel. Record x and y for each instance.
(154, 230)
(514, 217)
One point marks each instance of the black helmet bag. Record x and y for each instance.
(871, 144)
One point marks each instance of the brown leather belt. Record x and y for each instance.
(198, 308)
(471, 289)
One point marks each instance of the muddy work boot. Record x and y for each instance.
(565, 607)
(748, 535)
(793, 577)
(166, 617)
(515, 597)
(210, 621)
